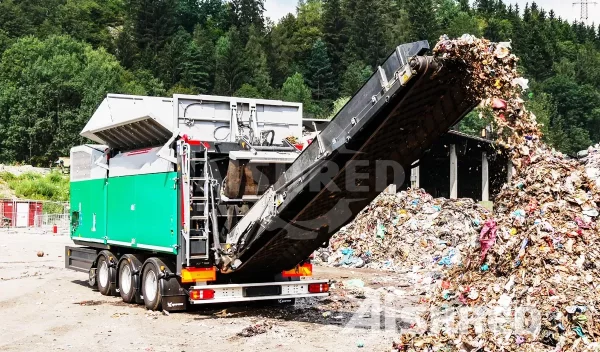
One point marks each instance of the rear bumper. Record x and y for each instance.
(236, 292)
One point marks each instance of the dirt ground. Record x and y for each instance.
(45, 307)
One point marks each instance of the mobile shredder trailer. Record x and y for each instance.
(203, 199)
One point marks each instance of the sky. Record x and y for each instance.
(563, 8)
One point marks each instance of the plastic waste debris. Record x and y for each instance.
(354, 283)
(546, 251)
(406, 231)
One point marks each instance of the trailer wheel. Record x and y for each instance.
(103, 277)
(126, 286)
(129, 278)
(151, 287)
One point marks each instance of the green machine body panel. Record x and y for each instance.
(141, 211)
(88, 199)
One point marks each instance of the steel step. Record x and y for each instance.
(195, 238)
(199, 257)
(202, 217)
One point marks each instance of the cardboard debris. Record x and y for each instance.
(540, 249)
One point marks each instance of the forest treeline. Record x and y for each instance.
(59, 58)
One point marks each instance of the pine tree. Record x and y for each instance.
(320, 74)
(366, 41)
(486, 7)
(334, 33)
(203, 40)
(245, 13)
(193, 69)
(421, 16)
(464, 5)
(126, 49)
(282, 53)
(532, 44)
(355, 77)
(170, 58)
(256, 63)
(309, 29)
(153, 23)
(188, 14)
(230, 68)
(181, 62)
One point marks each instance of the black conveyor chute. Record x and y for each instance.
(384, 121)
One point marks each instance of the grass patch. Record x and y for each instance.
(30, 185)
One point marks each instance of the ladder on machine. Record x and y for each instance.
(199, 183)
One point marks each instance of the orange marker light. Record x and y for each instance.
(189, 275)
(305, 269)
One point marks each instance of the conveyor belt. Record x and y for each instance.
(398, 124)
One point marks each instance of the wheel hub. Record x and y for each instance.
(103, 274)
(150, 286)
(126, 279)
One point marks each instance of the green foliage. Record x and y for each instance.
(230, 66)
(282, 51)
(248, 91)
(475, 122)
(366, 42)
(338, 105)
(256, 62)
(48, 90)
(320, 74)
(181, 62)
(57, 59)
(421, 16)
(334, 25)
(355, 76)
(295, 90)
(246, 13)
(30, 185)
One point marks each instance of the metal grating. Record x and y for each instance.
(81, 165)
(139, 134)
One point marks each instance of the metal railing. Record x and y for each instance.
(47, 222)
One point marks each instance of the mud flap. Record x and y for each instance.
(174, 297)
(174, 303)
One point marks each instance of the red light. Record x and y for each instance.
(318, 288)
(199, 295)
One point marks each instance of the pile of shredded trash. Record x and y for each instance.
(532, 283)
(591, 160)
(407, 231)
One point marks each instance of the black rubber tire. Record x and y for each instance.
(154, 303)
(128, 294)
(106, 288)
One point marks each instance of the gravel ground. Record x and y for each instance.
(46, 307)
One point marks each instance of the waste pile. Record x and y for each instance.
(533, 280)
(406, 232)
(591, 159)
